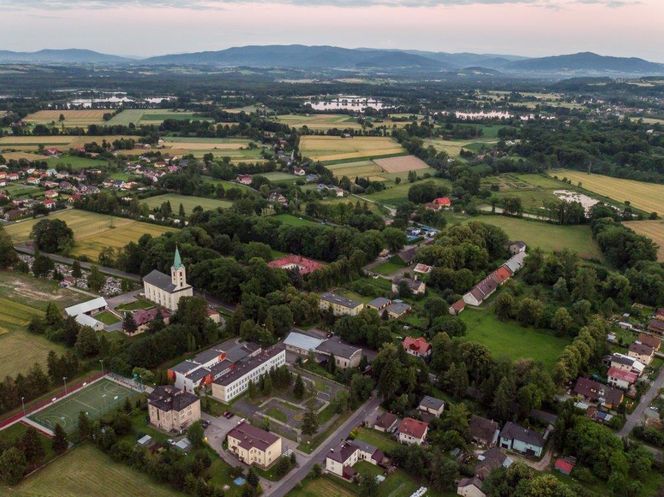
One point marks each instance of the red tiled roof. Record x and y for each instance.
(459, 305)
(620, 374)
(442, 201)
(304, 265)
(502, 274)
(419, 345)
(564, 465)
(413, 427)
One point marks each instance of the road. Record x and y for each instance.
(27, 249)
(282, 487)
(646, 400)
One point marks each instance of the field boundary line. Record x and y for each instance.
(38, 426)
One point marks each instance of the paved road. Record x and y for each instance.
(27, 249)
(646, 400)
(307, 461)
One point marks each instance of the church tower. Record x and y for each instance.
(178, 272)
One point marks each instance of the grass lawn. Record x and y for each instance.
(646, 196)
(391, 266)
(213, 406)
(275, 413)
(76, 163)
(291, 220)
(85, 472)
(107, 317)
(511, 340)
(187, 201)
(138, 304)
(376, 438)
(322, 487)
(92, 231)
(399, 193)
(280, 177)
(549, 237)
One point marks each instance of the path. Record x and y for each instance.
(282, 487)
(29, 250)
(644, 403)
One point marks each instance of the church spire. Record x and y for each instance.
(177, 261)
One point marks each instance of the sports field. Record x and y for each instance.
(87, 472)
(188, 202)
(72, 118)
(95, 400)
(508, 339)
(319, 121)
(92, 231)
(153, 116)
(334, 148)
(549, 237)
(648, 197)
(653, 230)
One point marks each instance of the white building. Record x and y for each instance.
(165, 291)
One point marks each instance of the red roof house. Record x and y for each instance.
(442, 201)
(457, 307)
(412, 431)
(418, 347)
(302, 264)
(565, 465)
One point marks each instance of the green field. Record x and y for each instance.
(549, 237)
(187, 201)
(291, 220)
(453, 147)
(399, 193)
(322, 487)
(511, 340)
(88, 472)
(76, 163)
(96, 400)
(648, 197)
(21, 298)
(334, 148)
(92, 232)
(319, 121)
(152, 116)
(280, 177)
(391, 266)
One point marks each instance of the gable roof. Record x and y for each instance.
(379, 302)
(302, 341)
(594, 391)
(419, 345)
(85, 307)
(641, 349)
(623, 375)
(337, 348)
(650, 340)
(513, 431)
(340, 300)
(252, 437)
(386, 420)
(429, 402)
(413, 427)
(482, 428)
(169, 398)
(160, 280)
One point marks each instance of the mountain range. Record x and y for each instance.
(305, 57)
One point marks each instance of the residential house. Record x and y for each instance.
(489, 461)
(457, 308)
(480, 292)
(442, 202)
(417, 347)
(143, 317)
(422, 268)
(341, 460)
(483, 431)
(412, 431)
(593, 391)
(626, 363)
(339, 305)
(515, 263)
(650, 341)
(470, 487)
(520, 439)
(517, 247)
(49, 204)
(565, 465)
(253, 445)
(244, 179)
(641, 352)
(298, 171)
(379, 304)
(501, 275)
(397, 310)
(172, 409)
(344, 355)
(656, 326)
(416, 287)
(431, 405)
(621, 378)
(386, 422)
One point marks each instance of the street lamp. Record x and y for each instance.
(101, 361)
(23, 404)
(64, 379)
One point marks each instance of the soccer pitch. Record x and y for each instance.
(95, 400)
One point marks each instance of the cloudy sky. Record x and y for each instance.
(523, 27)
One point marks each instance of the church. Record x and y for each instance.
(167, 291)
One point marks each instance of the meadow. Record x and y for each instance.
(508, 339)
(237, 149)
(399, 193)
(92, 232)
(86, 471)
(72, 118)
(290, 220)
(76, 163)
(280, 177)
(648, 197)
(653, 230)
(319, 121)
(140, 117)
(187, 201)
(21, 298)
(548, 237)
(363, 168)
(24, 156)
(62, 142)
(334, 148)
(453, 147)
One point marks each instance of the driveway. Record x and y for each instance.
(646, 399)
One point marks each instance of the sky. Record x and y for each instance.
(520, 27)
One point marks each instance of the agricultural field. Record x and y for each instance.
(334, 148)
(401, 164)
(237, 149)
(319, 121)
(548, 237)
(187, 201)
(86, 471)
(399, 193)
(280, 177)
(92, 232)
(648, 197)
(508, 339)
(62, 142)
(653, 230)
(141, 117)
(75, 162)
(363, 168)
(21, 298)
(72, 118)
(23, 156)
(291, 220)
(453, 147)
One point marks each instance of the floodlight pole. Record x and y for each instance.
(64, 379)
(23, 404)
(101, 361)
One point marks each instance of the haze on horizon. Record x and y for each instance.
(520, 27)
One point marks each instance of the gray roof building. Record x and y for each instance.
(169, 398)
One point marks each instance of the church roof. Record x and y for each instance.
(160, 280)
(177, 260)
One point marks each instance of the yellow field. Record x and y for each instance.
(31, 143)
(332, 148)
(23, 155)
(453, 147)
(653, 230)
(648, 197)
(92, 232)
(319, 121)
(73, 118)
(363, 168)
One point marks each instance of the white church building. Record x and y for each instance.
(167, 291)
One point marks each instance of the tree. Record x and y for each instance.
(298, 388)
(368, 485)
(504, 399)
(84, 425)
(53, 317)
(309, 423)
(87, 342)
(434, 307)
(31, 446)
(129, 324)
(52, 235)
(12, 466)
(96, 280)
(196, 434)
(60, 442)
(504, 306)
(42, 266)
(76, 269)
(394, 239)
(561, 321)
(279, 320)
(252, 478)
